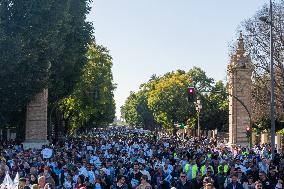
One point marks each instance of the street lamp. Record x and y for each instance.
(272, 102)
(198, 108)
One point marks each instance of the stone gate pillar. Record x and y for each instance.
(36, 121)
(239, 76)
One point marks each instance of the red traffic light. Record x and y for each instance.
(248, 129)
(191, 90)
(190, 94)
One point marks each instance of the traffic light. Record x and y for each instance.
(191, 94)
(248, 131)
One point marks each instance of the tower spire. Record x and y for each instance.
(241, 45)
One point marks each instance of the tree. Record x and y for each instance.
(42, 44)
(129, 110)
(136, 111)
(92, 102)
(215, 112)
(74, 35)
(257, 41)
(25, 51)
(162, 101)
(168, 99)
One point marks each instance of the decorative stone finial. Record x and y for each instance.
(241, 45)
(240, 60)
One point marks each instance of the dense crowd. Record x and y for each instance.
(120, 158)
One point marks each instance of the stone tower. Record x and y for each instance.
(239, 76)
(36, 121)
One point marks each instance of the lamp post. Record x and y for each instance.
(198, 108)
(272, 97)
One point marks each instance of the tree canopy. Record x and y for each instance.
(92, 104)
(164, 101)
(257, 44)
(42, 44)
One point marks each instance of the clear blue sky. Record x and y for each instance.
(147, 37)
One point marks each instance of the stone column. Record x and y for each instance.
(254, 139)
(239, 76)
(278, 142)
(36, 121)
(264, 138)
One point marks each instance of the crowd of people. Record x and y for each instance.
(121, 158)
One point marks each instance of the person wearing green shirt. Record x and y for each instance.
(205, 167)
(191, 169)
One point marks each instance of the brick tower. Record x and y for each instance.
(36, 121)
(239, 76)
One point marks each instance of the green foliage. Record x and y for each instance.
(215, 111)
(164, 101)
(92, 103)
(136, 111)
(192, 122)
(146, 118)
(264, 124)
(129, 110)
(281, 131)
(26, 50)
(75, 34)
(42, 44)
(199, 80)
(168, 100)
